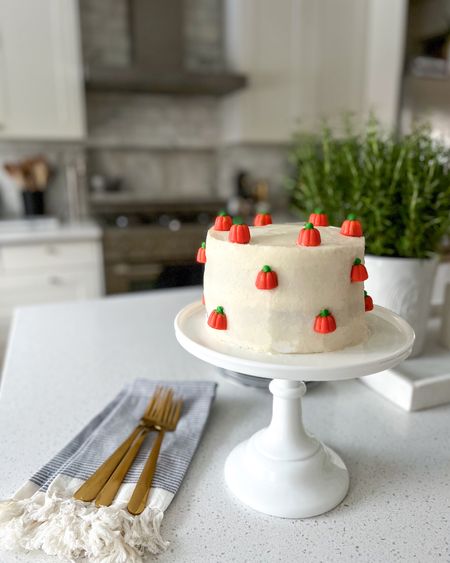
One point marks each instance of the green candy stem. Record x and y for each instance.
(357, 262)
(309, 226)
(318, 211)
(219, 310)
(203, 244)
(266, 269)
(351, 217)
(365, 293)
(237, 221)
(223, 214)
(324, 313)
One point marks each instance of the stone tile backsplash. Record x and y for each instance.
(140, 120)
(263, 162)
(192, 174)
(163, 147)
(197, 173)
(158, 174)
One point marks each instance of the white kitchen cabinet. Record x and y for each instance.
(306, 60)
(65, 264)
(34, 288)
(49, 256)
(41, 76)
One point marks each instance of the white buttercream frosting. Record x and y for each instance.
(310, 279)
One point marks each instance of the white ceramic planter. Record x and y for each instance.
(403, 285)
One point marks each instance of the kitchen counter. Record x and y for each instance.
(48, 229)
(64, 362)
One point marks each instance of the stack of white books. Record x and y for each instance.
(421, 382)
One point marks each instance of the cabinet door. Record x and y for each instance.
(307, 60)
(41, 79)
(49, 257)
(32, 289)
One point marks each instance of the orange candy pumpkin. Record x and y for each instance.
(309, 236)
(324, 322)
(351, 227)
(359, 272)
(266, 278)
(319, 218)
(201, 254)
(262, 219)
(368, 302)
(239, 233)
(217, 319)
(223, 222)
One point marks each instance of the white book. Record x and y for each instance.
(418, 383)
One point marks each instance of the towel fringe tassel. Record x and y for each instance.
(71, 529)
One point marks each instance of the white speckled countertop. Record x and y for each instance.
(46, 229)
(66, 361)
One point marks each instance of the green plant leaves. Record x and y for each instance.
(399, 187)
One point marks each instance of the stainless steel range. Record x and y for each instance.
(151, 245)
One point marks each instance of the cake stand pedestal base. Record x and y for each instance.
(282, 470)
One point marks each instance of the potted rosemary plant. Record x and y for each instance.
(400, 189)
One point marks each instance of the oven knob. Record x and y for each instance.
(122, 221)
(175, 225)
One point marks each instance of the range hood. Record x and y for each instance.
(158, 45)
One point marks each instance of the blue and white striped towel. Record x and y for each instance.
(43, 514)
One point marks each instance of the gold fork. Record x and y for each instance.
(90, 488)
(109, 490)
(141, 491)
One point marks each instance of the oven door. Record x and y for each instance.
(124, 278)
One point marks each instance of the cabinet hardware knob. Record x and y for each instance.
(55, 280)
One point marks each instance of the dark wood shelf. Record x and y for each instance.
(139, 80)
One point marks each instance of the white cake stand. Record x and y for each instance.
(282, 470)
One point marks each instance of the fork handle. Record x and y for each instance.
(90, 488)
(138, 499)
(109, 491)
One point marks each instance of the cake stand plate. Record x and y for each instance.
(282, 470)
